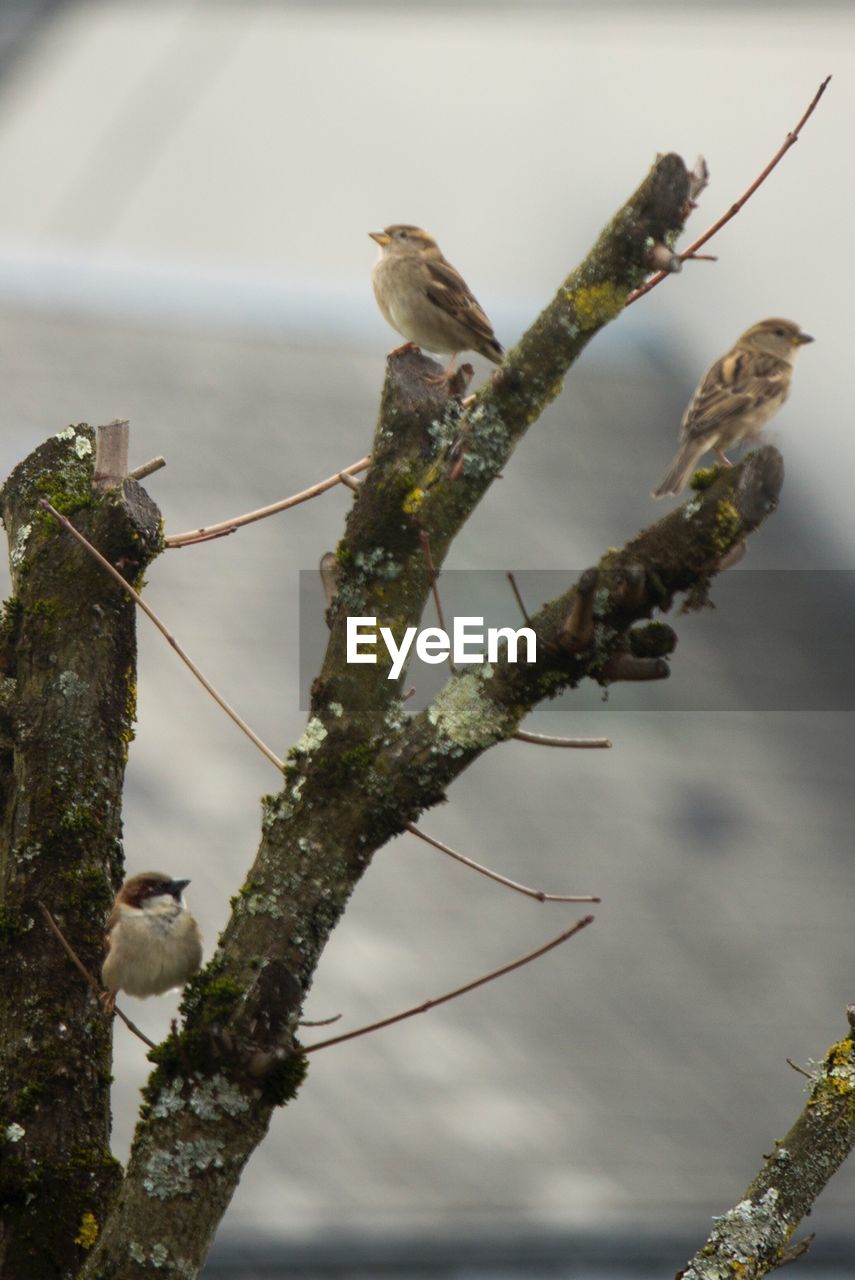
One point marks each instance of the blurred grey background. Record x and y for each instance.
(187, 189)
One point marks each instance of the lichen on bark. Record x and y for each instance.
(68, 658)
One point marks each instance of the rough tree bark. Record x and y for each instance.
(67, 697)
(362, 770)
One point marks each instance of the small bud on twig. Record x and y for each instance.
(626, 667)
(661, 258)
(578, 629)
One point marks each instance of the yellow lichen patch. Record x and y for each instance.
(413, 501)
(703, 478)
(88, 1233)
(727, 525)
(840, 1067)
(597, 304)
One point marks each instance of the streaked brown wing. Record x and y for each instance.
(739, 383)
(448, 290)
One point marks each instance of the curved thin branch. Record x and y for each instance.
(100, 991)
(494, 875)
(166, 633)
(207, 532)
(452, 995)
(791, 138)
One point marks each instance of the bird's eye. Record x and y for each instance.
(781, 333)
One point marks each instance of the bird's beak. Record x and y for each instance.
(178, 886)
(381, 238)
(801, 338)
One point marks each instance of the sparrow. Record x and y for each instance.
(152, 942)
(736, 397)
(422, 296)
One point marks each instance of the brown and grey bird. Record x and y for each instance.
(736, 397)
(425, 299)
(153, 942)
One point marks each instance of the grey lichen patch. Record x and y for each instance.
(275, 809)
(262, 904)
(488, 443)
(70, 685)
(170, 1173)
(443, 430)
(159, 1260)
(467, 717)
(747, 1231)
(396, 718)
(692, 508)
(313, 736)
(216, 1097)
(170, 1100)
(19, 548)
(377, 563)
(336, 709)
(82, 446)
(14, 1132)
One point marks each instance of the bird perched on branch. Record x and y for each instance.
(153, 942)
(426, 299)
(736, 397)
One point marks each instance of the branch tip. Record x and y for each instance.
(452, 995)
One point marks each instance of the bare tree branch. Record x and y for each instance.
(100, 991)
(166, 633)
(790, 140)
(67, 639)
(752, 1238)
(427, 1005)
(207, 532)
(494, 875)
(365, 769)
(546, 740)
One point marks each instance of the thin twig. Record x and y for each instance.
(541, 739)
(788, 142)
(800, 1070)
(78, 963)
(150, 613)
(228, 526)
(349, 482)
(452, 995)
(148, 468)
(494, 875)
(544, 740)
(512, 580)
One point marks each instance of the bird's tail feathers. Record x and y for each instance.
(674, 479)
